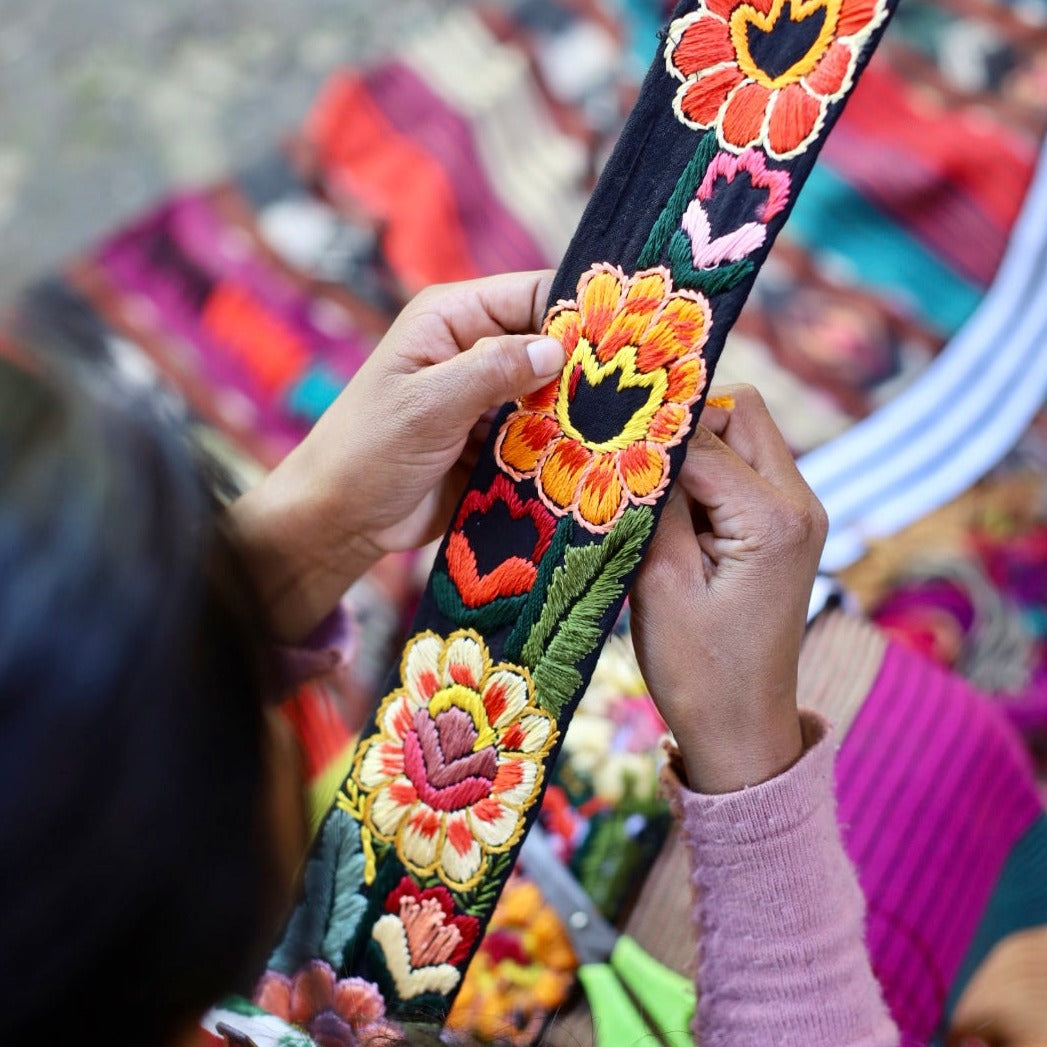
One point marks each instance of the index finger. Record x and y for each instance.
(750, 431)
(510, 303)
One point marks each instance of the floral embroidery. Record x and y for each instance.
(596, 440)
(523, 969)
(457, 760)
(763, 72)
(728, 217)
(488, 597)
(422, 941)
(335, 1012)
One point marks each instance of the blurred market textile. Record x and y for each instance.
(897, 332)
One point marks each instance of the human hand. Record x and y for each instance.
(719, 607)
(384, 467)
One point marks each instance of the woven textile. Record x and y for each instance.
(247, 305)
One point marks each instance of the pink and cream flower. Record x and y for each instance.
(334, 1011)
(423, 940)
(764, 72)
(456, 760)
(728, 217)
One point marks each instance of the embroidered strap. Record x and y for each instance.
(536, 565)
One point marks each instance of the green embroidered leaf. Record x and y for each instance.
(487, 619)
(532, 609)
(347, 905)
(240, 1005)
(480, 900)
(324, 921)
(554, 684)
(589, 581)
(708, 281)
(682, 194)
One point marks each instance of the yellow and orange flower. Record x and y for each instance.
(456, 761)
(764, 72)
(523, 970)
(596, 439)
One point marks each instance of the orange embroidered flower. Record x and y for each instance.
(456, 761)
(596, 440)
(523, 969)
(512, 575)
(763, 72)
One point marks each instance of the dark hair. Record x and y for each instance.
(136, 867)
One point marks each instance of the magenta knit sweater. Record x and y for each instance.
(779, 914)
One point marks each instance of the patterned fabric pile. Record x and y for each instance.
(913, 262)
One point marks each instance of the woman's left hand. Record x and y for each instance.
(384, 467)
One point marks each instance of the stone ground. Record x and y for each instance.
(106, 104)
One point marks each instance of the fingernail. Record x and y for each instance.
(547, 356)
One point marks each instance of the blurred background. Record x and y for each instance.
(105, 104)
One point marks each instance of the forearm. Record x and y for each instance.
(300, 567)
(779, 914)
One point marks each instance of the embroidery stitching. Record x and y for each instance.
(639, 335)
(325, 920)
(422, 940)
(456, 761)
(489, 600)
(727, 87)
(444, 781)
(330, 1009)
(581, 591)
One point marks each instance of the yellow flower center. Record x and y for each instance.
(777, 48)
(589, 415)
(465, 698)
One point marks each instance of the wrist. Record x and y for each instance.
(741, 749)
(300, 565)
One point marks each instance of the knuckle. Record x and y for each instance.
(820, 520)
(431, 297)
(424, 298)
(797, 526)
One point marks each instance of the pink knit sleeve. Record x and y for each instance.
(779, 914)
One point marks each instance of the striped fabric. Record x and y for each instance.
(958, 419)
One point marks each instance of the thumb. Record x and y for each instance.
(501, 368)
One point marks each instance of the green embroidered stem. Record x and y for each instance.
(672, 214)
(488, 618)
(532, 609)
(709, 281)
(581, 591)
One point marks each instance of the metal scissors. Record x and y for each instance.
(613, 968)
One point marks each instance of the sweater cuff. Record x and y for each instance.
(776, 806)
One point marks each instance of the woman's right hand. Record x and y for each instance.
(719, 607)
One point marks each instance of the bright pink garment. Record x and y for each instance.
(935, 792)
(779, 914)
